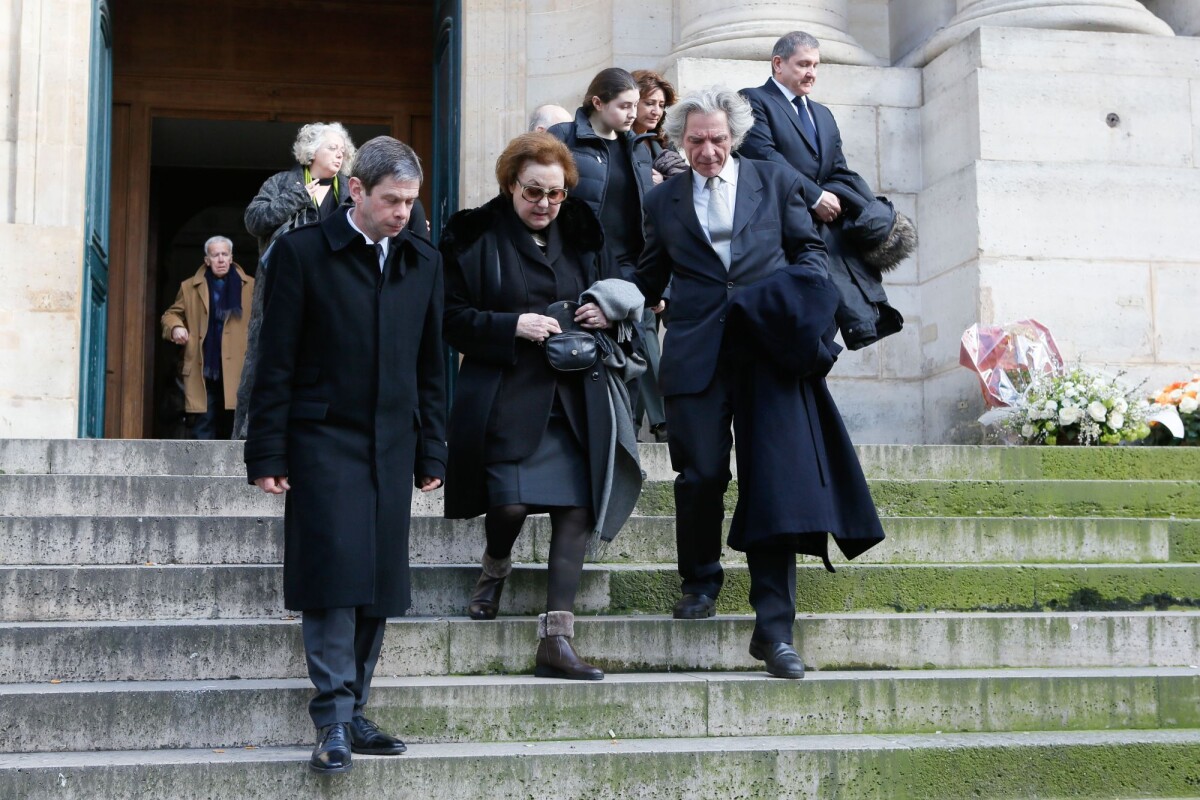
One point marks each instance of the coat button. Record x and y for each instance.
(595, 376)
(722, 318)
(729, 285)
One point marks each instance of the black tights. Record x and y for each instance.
(570, 529)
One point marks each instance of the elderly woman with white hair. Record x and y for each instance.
(308, 192)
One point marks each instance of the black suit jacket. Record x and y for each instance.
(349, 402)
(772, 228)
(778, 136)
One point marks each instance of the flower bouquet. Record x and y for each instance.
(1183, 397)
(1075, 407)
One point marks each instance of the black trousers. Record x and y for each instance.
(701, 442)
(341, 646)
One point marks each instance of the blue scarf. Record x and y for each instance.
(224, 301)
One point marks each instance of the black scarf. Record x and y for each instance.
(224, 301)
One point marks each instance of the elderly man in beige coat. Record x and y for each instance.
(208, 318)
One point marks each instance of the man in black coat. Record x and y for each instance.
(725, 224)
(792, 130)
(348, 407)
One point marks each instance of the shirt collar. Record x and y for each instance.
(385, 241)
(728, 173)
(788, 93)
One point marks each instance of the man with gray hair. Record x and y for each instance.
(547, 116)
(726, 223)
(347, 411)
(208, 320)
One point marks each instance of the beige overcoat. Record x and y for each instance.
(190, 311)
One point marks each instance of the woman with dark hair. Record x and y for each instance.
(614, 173)
(524, 437)
(657, 95)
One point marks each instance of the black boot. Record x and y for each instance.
(485, 601)
(556, 658)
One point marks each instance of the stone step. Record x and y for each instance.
(266, 713)
(911, 540)
(948, 766)
(50, 593)
(73, 495)
(209, 650)
(164, 457)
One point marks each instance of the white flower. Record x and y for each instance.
(1121, 406)
(1116, 420)
(1069, 415)
(1175, 396)
(1188, 405)
(1051, 405)
(1097, 411)
(1027, 430)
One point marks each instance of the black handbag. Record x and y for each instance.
(574, 349)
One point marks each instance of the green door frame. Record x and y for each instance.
(94, 300)
(447, 62)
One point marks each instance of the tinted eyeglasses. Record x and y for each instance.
(534, 194)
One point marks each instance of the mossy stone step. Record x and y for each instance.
(1059, 764)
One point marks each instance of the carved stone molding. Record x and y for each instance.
(1122, 16)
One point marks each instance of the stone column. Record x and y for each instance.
(1120, 16)
(1182, 15)
(747, 31)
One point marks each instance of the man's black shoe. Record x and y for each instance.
(695, 606)
(332, 753)
(659, 432)
(366, 739)
(782, 659)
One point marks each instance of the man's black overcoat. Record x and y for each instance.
(349, 402)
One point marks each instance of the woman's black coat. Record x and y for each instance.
(505, 387)
(591, 159)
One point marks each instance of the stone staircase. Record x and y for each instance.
(1031, 628)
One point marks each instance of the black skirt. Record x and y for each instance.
(554, 474)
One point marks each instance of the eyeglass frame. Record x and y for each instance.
(545, 193)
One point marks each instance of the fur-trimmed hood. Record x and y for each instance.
(576, 223)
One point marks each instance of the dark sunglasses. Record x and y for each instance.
(534, 194)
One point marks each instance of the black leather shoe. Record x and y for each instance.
(782, 659)
(695, 606)
(332, 753)
(368, 740)
(659, 432)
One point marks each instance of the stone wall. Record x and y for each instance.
(44, 51)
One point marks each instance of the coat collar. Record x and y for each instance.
(200, 284)
(341, 235)
(772, 91)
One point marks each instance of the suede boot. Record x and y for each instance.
(485, 601)
(555, 656)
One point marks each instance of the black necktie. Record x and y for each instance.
(379, 255)
(806, 122)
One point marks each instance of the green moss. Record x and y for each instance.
(1185, 542)
(1022, 498)
(909, 588)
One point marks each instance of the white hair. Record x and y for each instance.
(312, 135)
(218, 240)
(709, 101)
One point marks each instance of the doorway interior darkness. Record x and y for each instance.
(203, 173)
(207, 98)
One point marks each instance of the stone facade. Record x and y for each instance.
(1050, 153)
(44, 48)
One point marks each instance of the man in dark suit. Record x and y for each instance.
(724, 224)
(348, 408)
(792, 130)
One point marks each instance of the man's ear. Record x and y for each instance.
(356, 189)
(776, 64)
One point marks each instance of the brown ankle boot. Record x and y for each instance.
(556, 658)
(485, 600)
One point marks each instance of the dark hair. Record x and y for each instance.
(648, 80)
(789, 43)
(607, 84)
(539, 147)
(385, 157)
